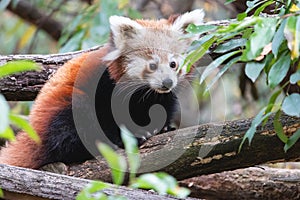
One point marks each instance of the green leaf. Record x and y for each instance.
(292, 35)
(90, 189)
(241, 16)
(200, 29)
(116, 162)
(4, 119)
(295, 77)
(278, 38)
(1, 193)
(25, 126)
(292, 140)
(230, 45)
(13, 67)
(260, 117)
(198, 53)
(161, 182)
(263, 34)
(8, 134)
(216, 63)
(221, 72)
(131, 149)
(291, 104)
(229, 1)
(253, 69)
(151, 181)
(4, 4)
(74, 43)
(279, 70)
(278, 128)
(262, 7)
(272, 100)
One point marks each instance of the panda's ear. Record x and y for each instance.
(181, 22)
(123, 28)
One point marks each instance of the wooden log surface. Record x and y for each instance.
(251, 183)
(45, 185)
(203, 149)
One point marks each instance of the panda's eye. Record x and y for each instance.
(173, 64)
(153, 66)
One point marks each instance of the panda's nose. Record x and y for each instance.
(167, 83)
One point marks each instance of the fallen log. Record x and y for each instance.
(251, 183)
(20, 183)
(203, 149)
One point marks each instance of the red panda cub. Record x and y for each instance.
(82, 103)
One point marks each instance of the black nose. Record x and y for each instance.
(167, 83)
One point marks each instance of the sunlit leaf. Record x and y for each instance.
(230, 45)
(131, 148)
(25, 126)
(17, 66)
(88, 192)
(279, 70)
(278, 128)
(241, 16)
(221, 72)
(291, 104)
(292, 140)
(272, 100)
(1, 193)
(263, 34)
(8, 134)
(198, 53)
(295, 77)
(116, 162)
(216, 63)
(200, 29)
(292, 35)
(4, 119)
(253, 69)
(262, 7)
(278, 38)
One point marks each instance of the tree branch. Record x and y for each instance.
(28, 12)
(250, 183)
(203, 149)
(16, 182)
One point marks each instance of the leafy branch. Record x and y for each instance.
(265, 44)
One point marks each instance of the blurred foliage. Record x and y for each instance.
(269, 44)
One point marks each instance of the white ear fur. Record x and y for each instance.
(193, 17)
(121, 28)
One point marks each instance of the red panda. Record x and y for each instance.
(139, 64)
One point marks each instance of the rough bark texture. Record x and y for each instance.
(45, 185)
(203, 149)
(251, 183)
(25, 86)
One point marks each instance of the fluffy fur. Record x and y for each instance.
(142, 56)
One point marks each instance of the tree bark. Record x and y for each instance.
(25, 86)
(203, 149)
(21, 183)
(28, 12)
(250, 183)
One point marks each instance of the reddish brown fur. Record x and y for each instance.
(57, 92)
